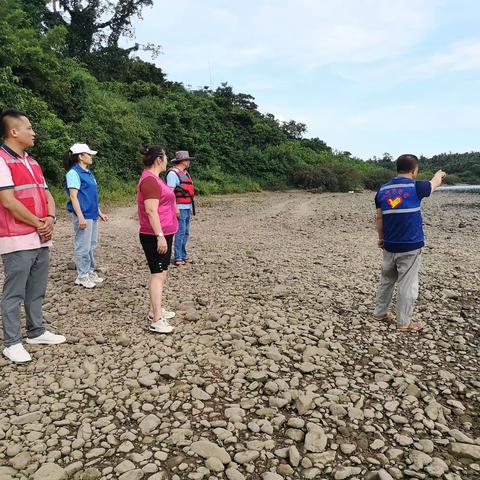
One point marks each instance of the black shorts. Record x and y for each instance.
(158, 262)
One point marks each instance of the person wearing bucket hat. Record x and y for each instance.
(83, 205)
(180, 180)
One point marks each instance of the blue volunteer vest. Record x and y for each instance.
(401, 214)
(87, 195)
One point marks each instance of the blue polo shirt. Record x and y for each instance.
(84, 181)
(402, 232)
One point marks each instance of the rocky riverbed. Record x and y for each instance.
(276, 369)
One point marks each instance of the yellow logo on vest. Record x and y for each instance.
(395, 202)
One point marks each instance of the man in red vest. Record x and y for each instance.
(27, 217)
(180, 180)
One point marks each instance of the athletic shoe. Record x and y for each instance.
(85, 282)
(93, 276)
(17, 353)
(47, 338)
(165, 314)
(162, 326)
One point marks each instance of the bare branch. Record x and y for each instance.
(66, 6)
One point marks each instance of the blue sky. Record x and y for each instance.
(367, 76)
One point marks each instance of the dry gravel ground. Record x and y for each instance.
(276, 369)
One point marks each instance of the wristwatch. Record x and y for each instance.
(159, 235)
(54, 218)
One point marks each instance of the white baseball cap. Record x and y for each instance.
(82, 148)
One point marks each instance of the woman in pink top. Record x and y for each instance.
(158, 225)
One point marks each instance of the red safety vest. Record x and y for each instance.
(184, 192)
(28, 189)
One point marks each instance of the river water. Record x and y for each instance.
(460, 188)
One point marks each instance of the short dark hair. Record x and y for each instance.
(151, 153)
(4, 116)
(407, 163)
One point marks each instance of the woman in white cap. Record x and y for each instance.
(83, 205)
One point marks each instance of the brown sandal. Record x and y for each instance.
(388, 317)
(187, 260)
(412, 327)
(179, 263)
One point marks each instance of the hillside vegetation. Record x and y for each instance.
(61, 63)
(461, 168)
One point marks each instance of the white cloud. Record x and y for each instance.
(463, 56)
(303, 34)
(311, 34)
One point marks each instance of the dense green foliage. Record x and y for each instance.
(460, 167)
(65, 69)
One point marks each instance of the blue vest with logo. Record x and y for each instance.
(87, 195)
(401, 214)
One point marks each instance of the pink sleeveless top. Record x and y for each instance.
(167, 211)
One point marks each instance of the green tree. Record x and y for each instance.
(94, 24)
(294, 130)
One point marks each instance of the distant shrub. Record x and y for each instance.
(319, 177)
(468, 177)
(374, 178)
(348, 178)
(451, 180)
(334, 177)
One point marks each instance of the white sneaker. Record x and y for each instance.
(162, 326)
(93, 276)
(17, 353)
(85, 282)
(47, 338)
(165, 314)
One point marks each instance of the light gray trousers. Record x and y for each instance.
(401, 269)
(85, 245)
(26, 277)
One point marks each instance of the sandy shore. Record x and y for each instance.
(276, 369)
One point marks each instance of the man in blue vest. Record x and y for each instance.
(400, 235)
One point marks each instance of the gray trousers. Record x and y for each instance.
(401, 269)
(26, 277)
(85, 245)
